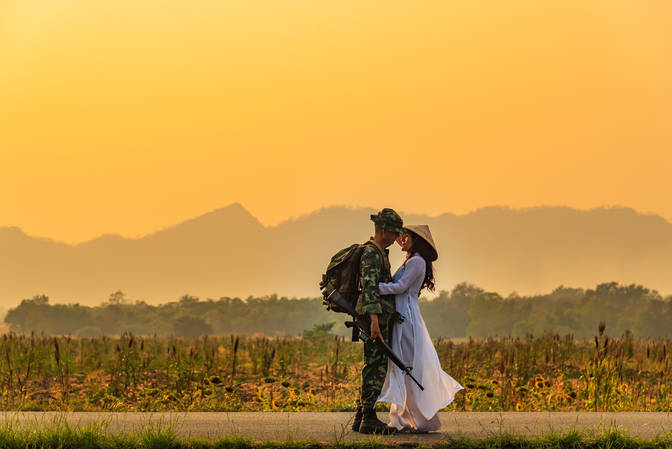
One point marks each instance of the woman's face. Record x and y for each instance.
(405, 241)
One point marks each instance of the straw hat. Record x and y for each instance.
(423, 232)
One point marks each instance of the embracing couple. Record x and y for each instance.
(411, 410)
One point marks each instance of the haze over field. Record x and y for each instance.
(228, 252)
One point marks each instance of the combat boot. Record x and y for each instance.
(358, 420)
(371, 423)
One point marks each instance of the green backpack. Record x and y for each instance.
(343, 274)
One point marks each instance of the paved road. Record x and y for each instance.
(328, 427)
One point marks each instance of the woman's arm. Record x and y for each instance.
(415, 268)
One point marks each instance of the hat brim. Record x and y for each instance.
(434, 255)
(396, 229)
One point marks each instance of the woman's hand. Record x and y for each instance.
(375, 329)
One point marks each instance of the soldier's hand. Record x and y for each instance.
(375, 329)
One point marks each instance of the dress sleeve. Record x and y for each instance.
(415, 268)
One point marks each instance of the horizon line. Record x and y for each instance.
(316, 211)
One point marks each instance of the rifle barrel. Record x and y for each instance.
(336, 298)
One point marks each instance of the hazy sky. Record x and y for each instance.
(127, 116)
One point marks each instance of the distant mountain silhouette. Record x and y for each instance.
(228, 252)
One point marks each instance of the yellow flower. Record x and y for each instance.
(519, 406)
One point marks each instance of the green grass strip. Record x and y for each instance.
(59, 434)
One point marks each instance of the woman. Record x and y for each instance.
(412, 409)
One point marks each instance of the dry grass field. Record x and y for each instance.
(255, 373)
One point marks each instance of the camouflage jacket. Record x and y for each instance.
(374, 269)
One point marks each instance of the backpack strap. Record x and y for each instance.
(389, 308)
(383, 256)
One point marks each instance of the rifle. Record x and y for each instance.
(361, 328)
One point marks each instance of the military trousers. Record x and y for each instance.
(375, 363)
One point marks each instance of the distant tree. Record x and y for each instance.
(186, 300)
(38, 300)
(467, 310)
(29, 315)
(191, 326)
(567, 292)
(490, 315)
(320, 330)
(448, 314)
(117, 298)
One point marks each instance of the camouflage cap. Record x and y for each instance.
(389, 220)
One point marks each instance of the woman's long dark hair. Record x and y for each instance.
(423, 248)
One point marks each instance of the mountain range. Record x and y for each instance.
(228, 252)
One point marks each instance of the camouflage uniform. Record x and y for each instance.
(375, 268)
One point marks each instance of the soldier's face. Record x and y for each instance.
(389, 237)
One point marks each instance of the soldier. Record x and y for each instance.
(379, 311)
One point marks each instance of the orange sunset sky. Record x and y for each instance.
(126, 116)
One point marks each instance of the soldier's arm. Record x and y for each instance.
(370, 268)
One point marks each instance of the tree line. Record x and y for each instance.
(465, 311)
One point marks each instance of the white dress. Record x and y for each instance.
(410, 406)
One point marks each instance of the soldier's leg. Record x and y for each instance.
(375, 366)
(373, 374)
(373, 378)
